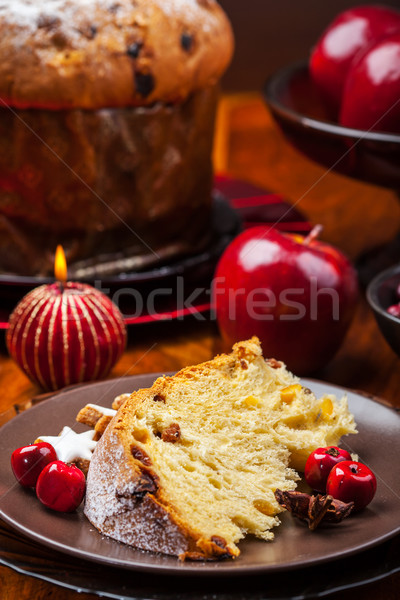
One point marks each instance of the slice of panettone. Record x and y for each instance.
(190, 466)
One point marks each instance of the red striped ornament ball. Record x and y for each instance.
(65, 333)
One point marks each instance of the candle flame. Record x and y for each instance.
(60, 265)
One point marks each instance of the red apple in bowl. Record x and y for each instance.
(371, 97)
(350, 33)
(296, 294)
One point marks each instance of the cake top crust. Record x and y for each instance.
(62, 54)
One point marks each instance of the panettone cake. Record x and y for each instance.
(106, 127)
(189, 466)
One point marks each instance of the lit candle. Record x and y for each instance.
(65, 332)
(60, 267)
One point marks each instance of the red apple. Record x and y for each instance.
(296, 294)
(351, 31)
(371, 97)
(61, 487)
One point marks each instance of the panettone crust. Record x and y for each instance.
(61, 54)
(121, 189)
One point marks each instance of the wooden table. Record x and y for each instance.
(356, 217)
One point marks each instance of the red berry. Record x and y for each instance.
(394, 310)
(61, 486)
(28, 462)
(352, 481)
(319, 465)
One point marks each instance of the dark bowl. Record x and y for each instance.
(381, 293)
(305, 120)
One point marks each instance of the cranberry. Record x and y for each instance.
(61, 487)
(319, 465)
(28, 462)
(394, 310)
(352, 481)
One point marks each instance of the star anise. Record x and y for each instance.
(314, 509)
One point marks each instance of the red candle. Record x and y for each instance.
(65, 332)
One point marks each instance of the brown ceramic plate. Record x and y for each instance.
(378, 445)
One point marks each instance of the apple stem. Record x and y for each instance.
(314, 233)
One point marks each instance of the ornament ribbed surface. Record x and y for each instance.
(63, 337)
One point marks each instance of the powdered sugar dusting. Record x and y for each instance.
(174, 8)
(192, 10)
(69, 53)
(148, 526)
(26, 13)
